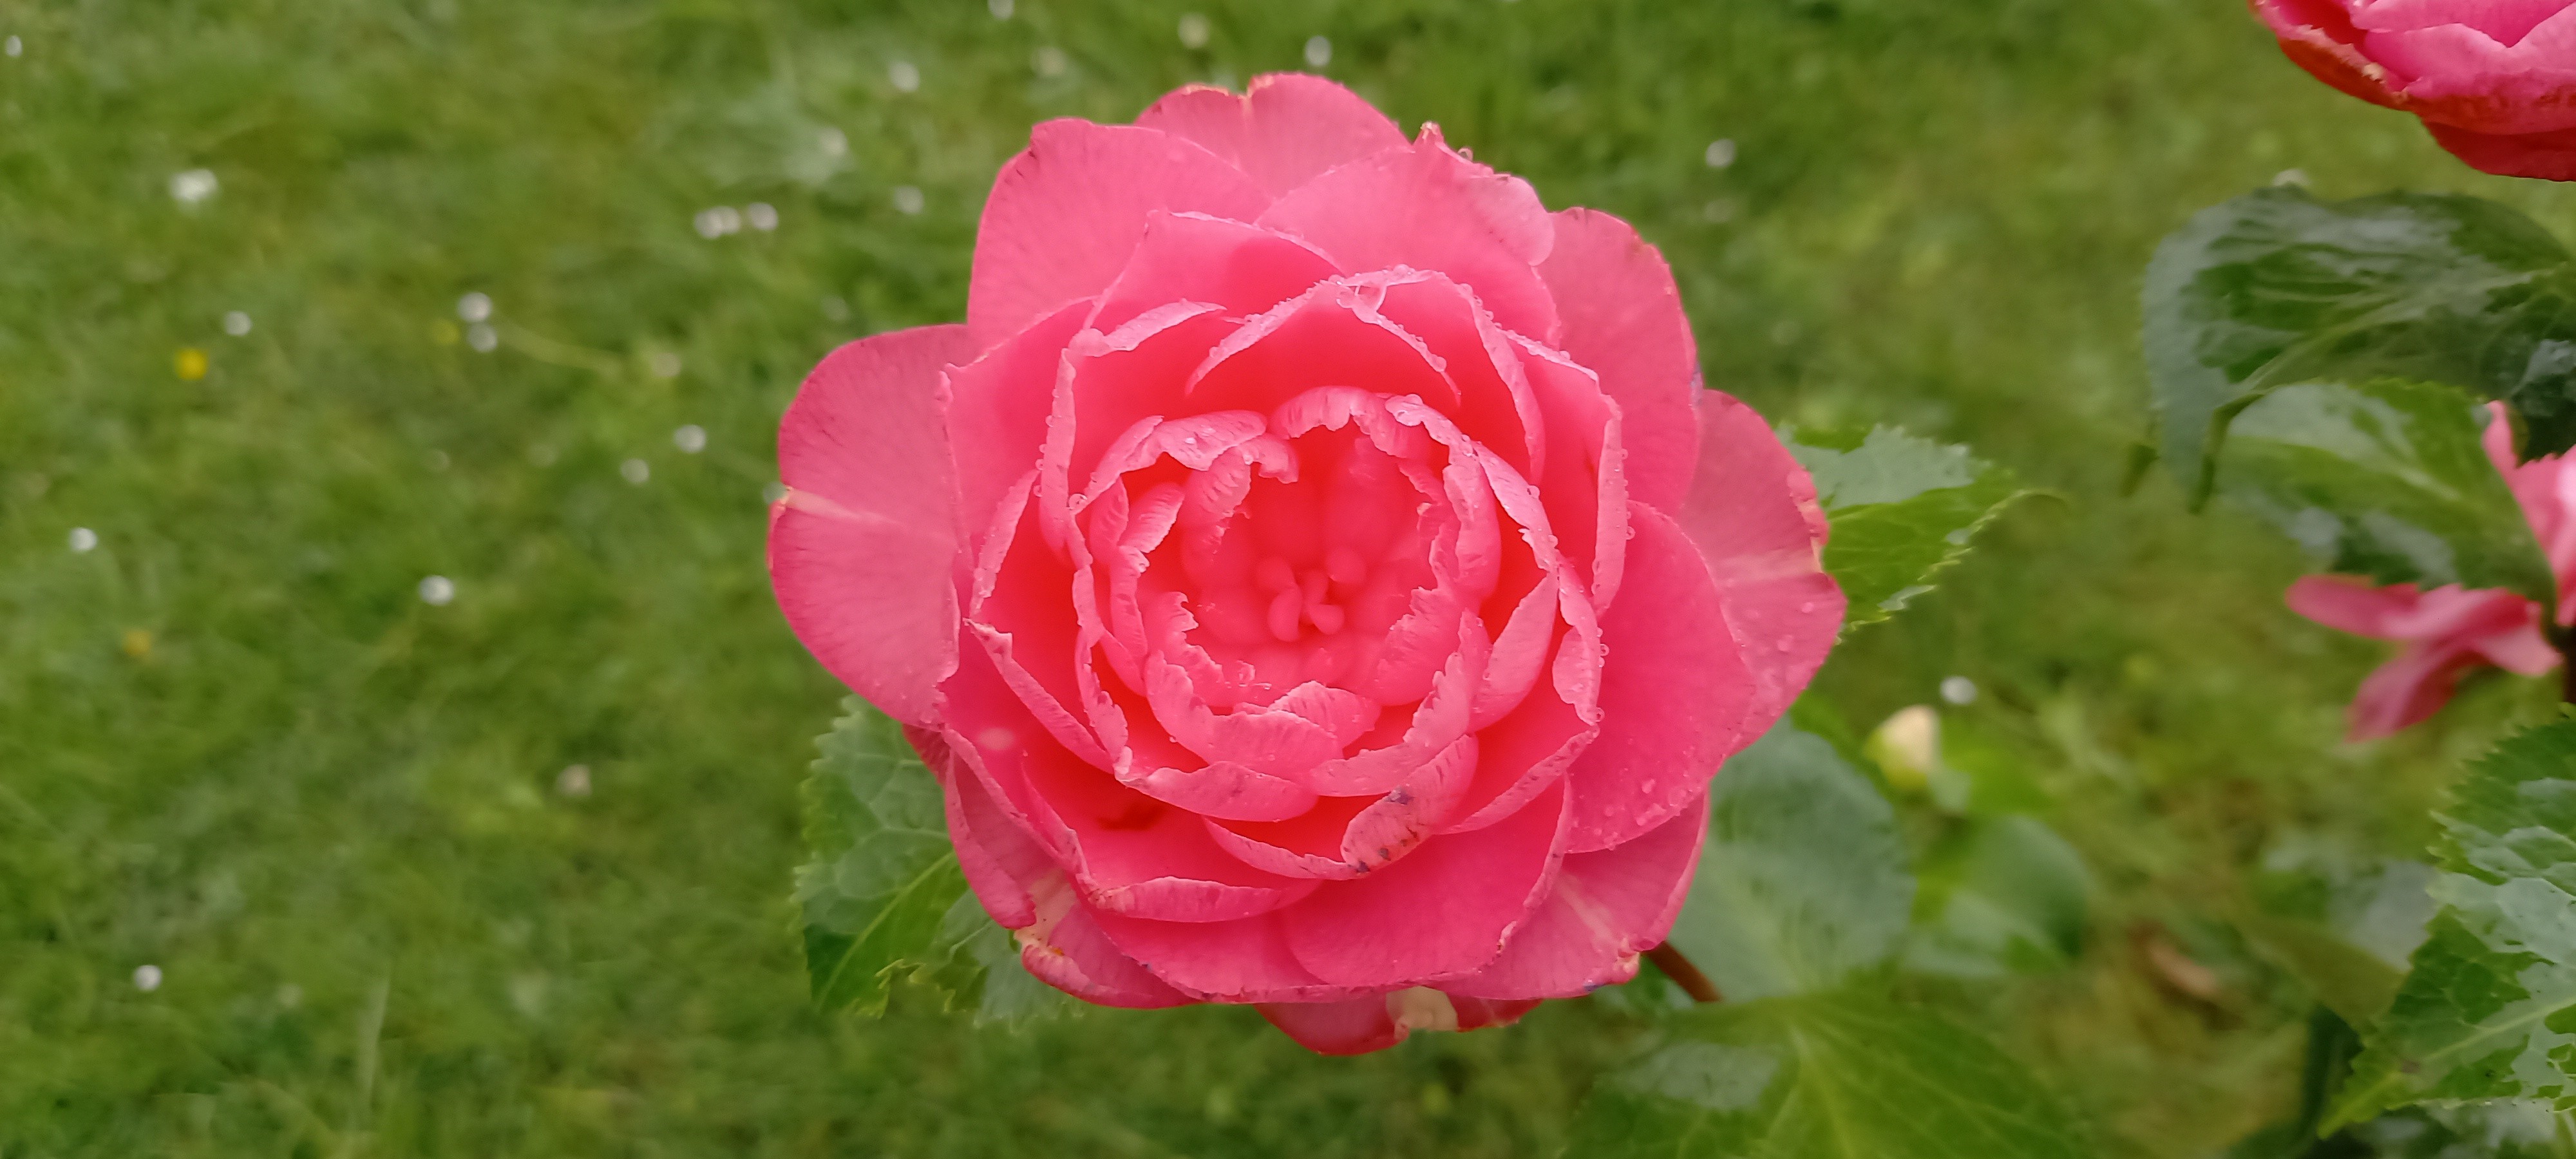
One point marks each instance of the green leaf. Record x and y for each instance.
(2514, 1129)
(2343, 929)
(2386, 479)
(1829, 1076)
(2002, 896)
(1803, 883)
(1902, 508)
(2277, 288)
(2489, 1010)
(880, 876)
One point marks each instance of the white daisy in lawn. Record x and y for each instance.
(193, 186)
(437, 591)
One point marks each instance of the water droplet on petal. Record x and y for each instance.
(1787, 643)
(1807, 606)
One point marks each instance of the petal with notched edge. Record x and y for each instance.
(860, 546)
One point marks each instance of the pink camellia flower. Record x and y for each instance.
(1313, 569)
(2495, 80)
(2450, 631)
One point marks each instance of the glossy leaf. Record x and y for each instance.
(2277, 288)
(1902, 509)
(2385, 479)
(2489, 1010)
(881, 876)
(2513, 1129)
(2002, 896)
(1803, 883)
(1826, 1076)
(2344, 930)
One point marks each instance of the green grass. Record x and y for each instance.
(325, 810)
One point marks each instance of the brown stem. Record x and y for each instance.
(1678, 968)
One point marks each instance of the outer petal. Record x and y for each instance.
(2318, 35)
(1283, 132)
(1675, 692)
(1066, 212)
(1427, 207)
(1608, 907)
(861, 545)
(2547, 156)
(1378, 1021)
(1752, 510)
(1443, 911)
(1623, 319)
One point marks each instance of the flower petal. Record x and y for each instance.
(1609, 906)
(1065, 214)
(1753, 512)
(1443, 911)
(1285, 130)
(1675, 693)
(1623, 320)
(860, 547)
(1428, 207)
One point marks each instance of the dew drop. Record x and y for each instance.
(1787, 643)
(1807, 606)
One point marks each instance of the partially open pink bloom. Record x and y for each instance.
(1313, 569)
(2450, 631)
(2495, 80)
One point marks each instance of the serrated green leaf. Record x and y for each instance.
(2489, 1010)
(880, 875)
(1827, 1076)
(1902, 508)
(976, 967)
(2003, 896)
(1803, 883)
(2385, 479)
(2342, 928)
(2277, 288)
(2514, 1129)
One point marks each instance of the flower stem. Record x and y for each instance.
(1678, 968)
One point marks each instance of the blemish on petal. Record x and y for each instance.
(996, 739)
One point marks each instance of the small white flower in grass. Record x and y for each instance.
(437, 591)
(718, 221)
(193, 186)
(834, 142)
(664, 364)
(11, 46)
(1050, 61)
(636, 471)
(907, 199)
(84, 540)
(1959, 690)
(1319, 52)
(147, 978)
(2297, 177)
(1720, 153)
(1001, 9)
(903, 76)
(762, 215)
(574, 781)
(691, 439)
(1194, 31)
(236, 323)
(482, 337)
(474, 307)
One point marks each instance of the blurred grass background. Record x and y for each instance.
(236, 744)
